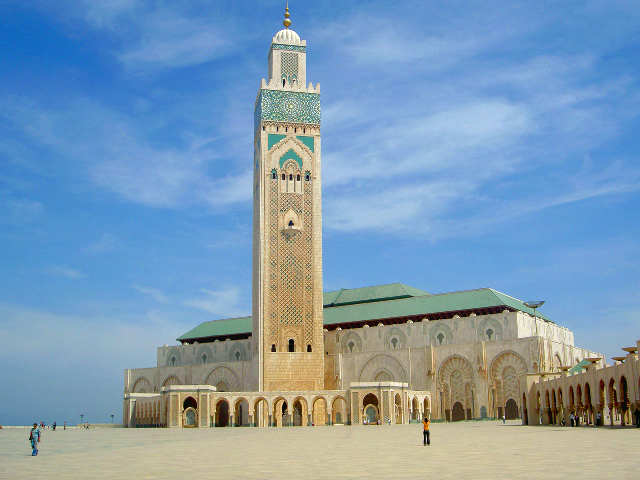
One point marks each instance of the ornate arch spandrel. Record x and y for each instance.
(223, 374)
(142, 385)
(382, 362)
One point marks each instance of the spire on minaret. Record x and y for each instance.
(286, 22)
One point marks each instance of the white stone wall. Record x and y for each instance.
(215, 352)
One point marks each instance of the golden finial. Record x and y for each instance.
(286, 21)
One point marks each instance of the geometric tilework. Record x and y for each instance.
(174, 410)
(289, 66)
(286, 106)
(356, 410)
(290, 266)
(385, 406)
(280, 46)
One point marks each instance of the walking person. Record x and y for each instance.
(636, 413)
(34, 438)
(425, 432)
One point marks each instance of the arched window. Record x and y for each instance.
(204, 358)
(292, 345)
(173, 361)
(440, 338)
(308, 348)
(394, 342)
(291, 176)
(284, 80)
(237, 356)
(284, 177)
(291, 223)
(307, 176)
(489, 334)
(274, 175)
(298, 177)
(273, 347)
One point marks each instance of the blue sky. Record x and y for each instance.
(465, 145)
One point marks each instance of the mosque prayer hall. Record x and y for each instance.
(386, 354)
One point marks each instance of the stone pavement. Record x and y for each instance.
(458, 450)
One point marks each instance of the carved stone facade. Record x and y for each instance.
(386, 354)
(592, 391)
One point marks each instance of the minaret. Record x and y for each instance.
(288, 343)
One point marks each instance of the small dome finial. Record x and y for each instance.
(286, 21)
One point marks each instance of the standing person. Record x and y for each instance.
(65, 426)
(636, 413)
(54, 426)
(571, 419)
(34, 438)
(426, 440)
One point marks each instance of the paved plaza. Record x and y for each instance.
(458, 450)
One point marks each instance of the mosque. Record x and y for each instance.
(378, 355)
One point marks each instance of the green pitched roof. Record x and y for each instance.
(424, 305)
(215, 328)
(377, 303)
(391, 291)
(578, 367)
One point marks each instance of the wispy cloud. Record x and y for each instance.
(412, 151)
(106, 243)
(222, 302)
(152, 37)
(113, 150)
(154, 293)
(66, 272)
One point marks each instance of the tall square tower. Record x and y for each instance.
(288, 346)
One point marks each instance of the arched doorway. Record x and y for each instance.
(319, 412)
(427, 407)
(415, 412)
(241, 413)
(280, 413)
(370, 408)
(625, 417)
(222, 413)
(299, 412)
(457, 412)
(511, 409)
(190, 408)
(525, 415)
(339, 411)
(261, 413)
(398, 409)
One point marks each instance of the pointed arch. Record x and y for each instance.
(383, 363)
(225, 375)
(142, 385)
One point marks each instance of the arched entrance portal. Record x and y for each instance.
(371, 414)
(370, 408)
(190, 407)
(222, 414)
(511, 409)
(457, 413)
